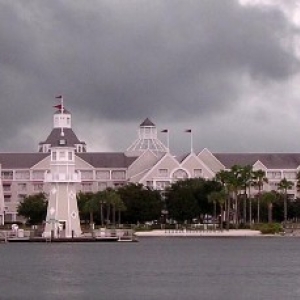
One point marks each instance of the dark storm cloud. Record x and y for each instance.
(125, 60)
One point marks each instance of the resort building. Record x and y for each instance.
(147, 160)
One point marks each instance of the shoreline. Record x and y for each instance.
(184, 233)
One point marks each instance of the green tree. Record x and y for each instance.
(269, 198)
(87, 206)
(181, 202)
(260, 178)
(246, 177)
(298, 181)
(218, 197)
(100, 199)
(188, 199)
(34, 208)
(113, 202)
(284, 185)
(142, 204)
(120, 207)
(223, 176)
(232, 181)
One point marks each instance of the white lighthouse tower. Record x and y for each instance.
(62, 214)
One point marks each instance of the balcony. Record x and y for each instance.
(62, 177)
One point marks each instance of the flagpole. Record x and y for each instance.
(191, 138)
(62, 111)
(192, 150)
(168, 138)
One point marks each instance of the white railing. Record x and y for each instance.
(62, 177)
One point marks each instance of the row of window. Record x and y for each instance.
(180, 173)
(85, 174)
(62, 155)
(279, 175)
(23, 187)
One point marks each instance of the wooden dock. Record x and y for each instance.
(106, 236)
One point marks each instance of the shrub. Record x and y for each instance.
(270, 228)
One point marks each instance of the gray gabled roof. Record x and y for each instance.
(107, 160)
(270, 160)
(69, 136)
(97, 160)
(20, 160)
(147, 122)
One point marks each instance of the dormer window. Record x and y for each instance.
(62, 142)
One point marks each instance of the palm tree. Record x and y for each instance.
(284, 185)
(120, 206)
(100, 199)
(220, 198)
(112, 200)
(298, 181)
(90, 206)
(235, 185)
(231, 180)
(259, 180)
(269, 198)
(246, 174)
(223, 176)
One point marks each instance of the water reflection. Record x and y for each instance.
(154, 268)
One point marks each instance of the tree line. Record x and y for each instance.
(228, 199)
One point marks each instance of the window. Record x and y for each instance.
(7, 198)
(62, 154)
(163, 172)
(22, 175)
(21, 197)
(161, 185)
(38, 175)
(87, 187)
(45, 148)
(197, 173)
(103, 175)
(274, 175)
(54, 155)
(6, 187)
(149, 184)
(22, 187)
(70, 155)
(118, 175)
(180, 174)
(102, 186)
(290, 175)
(38, 187)
(86, 175)
(7, 174)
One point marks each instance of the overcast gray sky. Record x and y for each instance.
(227, 69)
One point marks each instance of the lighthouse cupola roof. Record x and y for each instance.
(62, 132)
(147, 140)
(147, 123)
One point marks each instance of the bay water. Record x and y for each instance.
(252, 268)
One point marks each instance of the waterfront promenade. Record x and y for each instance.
(198, 233)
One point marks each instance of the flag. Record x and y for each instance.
(59, 97)
(58, 106)
(165, 130)
(188, 130)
